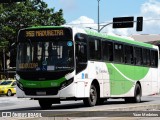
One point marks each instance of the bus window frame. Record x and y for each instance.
(91, 39)
(111, 58)
(121, 61)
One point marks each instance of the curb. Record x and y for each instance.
(108, 112)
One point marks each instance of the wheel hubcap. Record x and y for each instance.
(92, 95)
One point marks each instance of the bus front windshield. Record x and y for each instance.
(44, 55)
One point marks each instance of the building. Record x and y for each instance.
(148, 38)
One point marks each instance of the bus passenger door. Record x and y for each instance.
(81, 53)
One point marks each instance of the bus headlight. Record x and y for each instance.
(66, 83)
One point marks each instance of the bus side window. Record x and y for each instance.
(138, 56)
(128, 54)
(81, 54)
(107, 51)
(146, 57)
(118, 53)
(154, 58)
(94, 48)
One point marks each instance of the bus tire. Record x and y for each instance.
(92, 99)
(44, 104)
(137, 94)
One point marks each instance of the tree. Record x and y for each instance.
(17, 15)
(14, 16)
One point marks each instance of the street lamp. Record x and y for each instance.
(98, 15)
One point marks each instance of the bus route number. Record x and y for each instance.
(44, 33)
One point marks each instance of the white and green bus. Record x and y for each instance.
(67, 63)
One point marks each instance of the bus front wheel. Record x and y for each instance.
(45, 104)
(92, 99)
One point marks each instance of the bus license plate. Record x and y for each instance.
(41, 93)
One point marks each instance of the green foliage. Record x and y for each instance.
(14, 16)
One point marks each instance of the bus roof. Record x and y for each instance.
(119, 38)
(93, 33)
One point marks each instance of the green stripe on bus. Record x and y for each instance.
(130, 41)
(123, 77)
(42, 84)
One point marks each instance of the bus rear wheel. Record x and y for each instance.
(92, 99)
(45, 104)
(137, 95)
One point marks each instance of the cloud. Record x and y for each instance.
(151, 15)
(151, 8)
(84, 22)
(150, 11)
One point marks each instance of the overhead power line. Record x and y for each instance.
(152, 19)
(103, 23)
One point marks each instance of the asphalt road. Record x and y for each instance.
(16, 104)
(77, 109)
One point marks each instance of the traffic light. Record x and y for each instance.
(10, 1)
(139, 24)
(123, 22)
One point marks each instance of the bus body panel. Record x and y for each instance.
(68, 91)
(99, 71)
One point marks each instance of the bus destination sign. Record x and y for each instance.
(44, 33)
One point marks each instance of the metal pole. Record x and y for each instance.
(100, 29)
(105, 26)
(98, 16)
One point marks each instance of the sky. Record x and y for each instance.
(83, 13)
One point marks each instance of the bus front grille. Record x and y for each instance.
(41, 91)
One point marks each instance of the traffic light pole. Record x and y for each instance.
(100, 29)
(98, 16)
(103, 26)
(123, 24)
